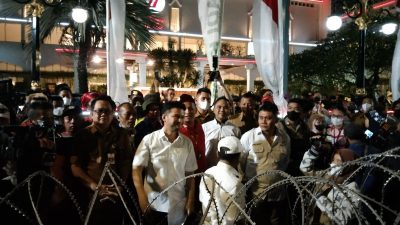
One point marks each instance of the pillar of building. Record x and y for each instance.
(142, 63)
(250, 76)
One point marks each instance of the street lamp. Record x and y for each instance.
(35, 9)
(362, 12)
(79, 14)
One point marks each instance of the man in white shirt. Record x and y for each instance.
(218, 128)
(166, 156)
(266, 148)
(227, 184)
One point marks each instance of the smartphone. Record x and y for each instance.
(368, 133)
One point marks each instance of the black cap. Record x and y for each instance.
(71, 111)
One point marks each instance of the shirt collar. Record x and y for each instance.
(94, 129)
(216, 122)
(165, 138)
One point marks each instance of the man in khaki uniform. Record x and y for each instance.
(246, 119)
(266, 148)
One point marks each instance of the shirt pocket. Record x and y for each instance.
(258, 152)
(178, 158)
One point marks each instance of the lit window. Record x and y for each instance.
(175, 25)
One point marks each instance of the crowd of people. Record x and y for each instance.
(154, 142)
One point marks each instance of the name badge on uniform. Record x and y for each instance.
(111, 158)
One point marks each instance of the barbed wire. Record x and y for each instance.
(307, 188)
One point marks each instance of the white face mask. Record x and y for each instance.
(58, 111)
(337, 121)
(204, 105)
(67, 101)
(40, 123)
(334, 171)
(366, 107)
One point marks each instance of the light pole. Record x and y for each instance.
(35, 8)
(362, 13)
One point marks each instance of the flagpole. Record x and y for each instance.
(286, 16)
(108, 45)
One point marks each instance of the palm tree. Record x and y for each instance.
(85, 38)
(177, 66)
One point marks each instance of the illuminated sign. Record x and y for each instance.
(156, 5)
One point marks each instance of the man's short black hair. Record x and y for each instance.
(248, 95)
(270, 107)
(128, 104)
(63, 87)
(339, 107)
(56, 98)
(204, 89)
(170, 89)
(103, 98)
(220, 98)
(171, 105)
(44, 105)
(354, 132)
(298, 101)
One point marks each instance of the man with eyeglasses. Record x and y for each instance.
(97, 144)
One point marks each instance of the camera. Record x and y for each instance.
(317, 140)
(368, 133)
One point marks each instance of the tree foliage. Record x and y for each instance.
(86, 37)
(176, 66)
(331, 66)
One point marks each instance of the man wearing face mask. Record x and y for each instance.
(360, 117)
(335, 134)
(66, 94)
(203, 102)
(298, 132)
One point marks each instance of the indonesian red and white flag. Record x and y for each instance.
(116, 82)
(268, 18)
(395, 78)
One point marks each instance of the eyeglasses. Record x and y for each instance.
(102, 111)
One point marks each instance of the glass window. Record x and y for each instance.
(175, 25)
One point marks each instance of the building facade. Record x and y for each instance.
(181, 27)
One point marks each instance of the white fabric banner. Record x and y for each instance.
(116, 82)
(395, 78)
(268, 47)
(210, 15)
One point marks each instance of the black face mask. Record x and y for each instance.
(293, 115)
(397, 114)
(319, 127)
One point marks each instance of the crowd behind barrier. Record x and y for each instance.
(167, 159)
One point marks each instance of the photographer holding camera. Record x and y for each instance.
(38, 149)
(319, 145)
